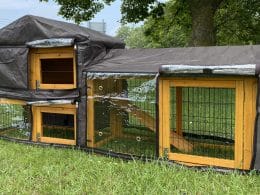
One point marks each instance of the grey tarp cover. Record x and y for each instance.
(15, 36)
(90, 46)
(150, 60)
(31, 28)
(13, 67)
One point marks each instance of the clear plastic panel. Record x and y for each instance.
(122, 114)
(15, 121)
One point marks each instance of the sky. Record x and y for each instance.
(11, 10)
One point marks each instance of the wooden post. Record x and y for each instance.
(249, 120)
(239, 123)
(90, 114)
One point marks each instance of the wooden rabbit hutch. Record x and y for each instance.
(65, 84)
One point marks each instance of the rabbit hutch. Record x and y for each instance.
(63, 84)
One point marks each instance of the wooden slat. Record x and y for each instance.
(179, 110)
(75, 127)
(189, 164)
(180, 143)
(11, 101)
(57, 110)
(201, 160)
(52, 50)
(61, 106)
(166, 115)
(203, 83)
(160, 118)
(56, 55)
(239, 124)
(57, 86)
(249, 120)
(90, 114)
(135, 111)
(58, 127)
(57, 141)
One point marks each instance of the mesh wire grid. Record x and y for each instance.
(15, 121)
(207, 120)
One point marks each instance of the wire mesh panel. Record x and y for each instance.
(58, 125)
(202, 121)
(15, 121)
(123, 114)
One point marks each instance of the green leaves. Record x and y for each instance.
(169, 24)
(238, 22)
(136, 10)
(80, 10)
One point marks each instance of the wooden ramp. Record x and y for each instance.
(147, 120)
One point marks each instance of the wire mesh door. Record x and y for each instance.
(202, 121)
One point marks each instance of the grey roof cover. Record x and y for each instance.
(31, 28)
(150, 60)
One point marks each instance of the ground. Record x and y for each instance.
(39, 170)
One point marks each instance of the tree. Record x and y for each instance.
(237, 22)
(201, 12)
(133, 37)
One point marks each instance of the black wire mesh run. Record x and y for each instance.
(15, 121)
(58, 125)
(206, 120)
(125, 116)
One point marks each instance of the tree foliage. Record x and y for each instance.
(133, 37)
(236, 22)
(80, 10)
(179, 22)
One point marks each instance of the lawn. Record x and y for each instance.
(38, 170)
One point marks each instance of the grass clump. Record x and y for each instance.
(37, 170)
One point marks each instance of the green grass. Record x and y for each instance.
(16, 133)
(129, 144)
(36, 170)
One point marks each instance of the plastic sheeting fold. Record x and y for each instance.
(124, 113)
(48, 43)
(246, 69)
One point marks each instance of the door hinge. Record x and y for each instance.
(37, 84)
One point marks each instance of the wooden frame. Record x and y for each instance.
(11, 101)
(38, 127)
(37, 54)
(245, 112)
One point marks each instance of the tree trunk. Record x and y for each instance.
(203, 28)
